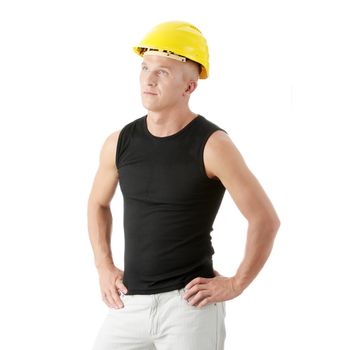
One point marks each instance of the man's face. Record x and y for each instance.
(163, 83)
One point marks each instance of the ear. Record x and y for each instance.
(191, 86)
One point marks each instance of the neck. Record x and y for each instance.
(167, 123)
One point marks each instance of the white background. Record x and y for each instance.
(279, 84)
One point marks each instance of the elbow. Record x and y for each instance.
(269, 225)
(274, 224)
(95, 206)
(270, 229)
(92, 204)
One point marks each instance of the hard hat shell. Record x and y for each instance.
(180, 38)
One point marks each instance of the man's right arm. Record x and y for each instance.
(100, 222)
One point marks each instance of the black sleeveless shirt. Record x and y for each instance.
(170, 205)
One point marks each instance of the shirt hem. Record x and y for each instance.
(155, 291)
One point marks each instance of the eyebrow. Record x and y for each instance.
(161, 67)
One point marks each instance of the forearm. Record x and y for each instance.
(100, 231)
(259, 244)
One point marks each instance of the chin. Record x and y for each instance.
(150, 106)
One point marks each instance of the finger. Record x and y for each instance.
(110, 300)
(116, 298)
(195, 281)
(193, 291)
(106, 300)
(204, 302)
(120, 286)
(198, 298)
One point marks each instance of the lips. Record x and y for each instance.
(149, 93)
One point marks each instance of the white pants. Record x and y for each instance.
(162, 321)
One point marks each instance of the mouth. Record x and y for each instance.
(149, 93)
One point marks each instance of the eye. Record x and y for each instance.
(162, 72)
(144, 68)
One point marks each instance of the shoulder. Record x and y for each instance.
(219, 142)
(219, 138)
(108, 149)
(112, 142)
(220, 152)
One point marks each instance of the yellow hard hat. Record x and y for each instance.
(174, 39)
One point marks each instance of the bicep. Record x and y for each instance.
(106, 178)
(226, 162)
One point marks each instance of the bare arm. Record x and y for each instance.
(226, 162)
(223, 161)
(100, 222)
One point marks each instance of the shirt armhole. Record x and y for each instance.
(118, 148)
(202, 166)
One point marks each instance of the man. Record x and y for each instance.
(173, 167)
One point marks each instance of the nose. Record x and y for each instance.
(151, 79)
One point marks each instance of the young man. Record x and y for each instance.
(173, 167)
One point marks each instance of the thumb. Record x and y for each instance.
(120, 286)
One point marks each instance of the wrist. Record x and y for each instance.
(236, 285)
(104, 264)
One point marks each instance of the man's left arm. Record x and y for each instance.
(223, 160)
